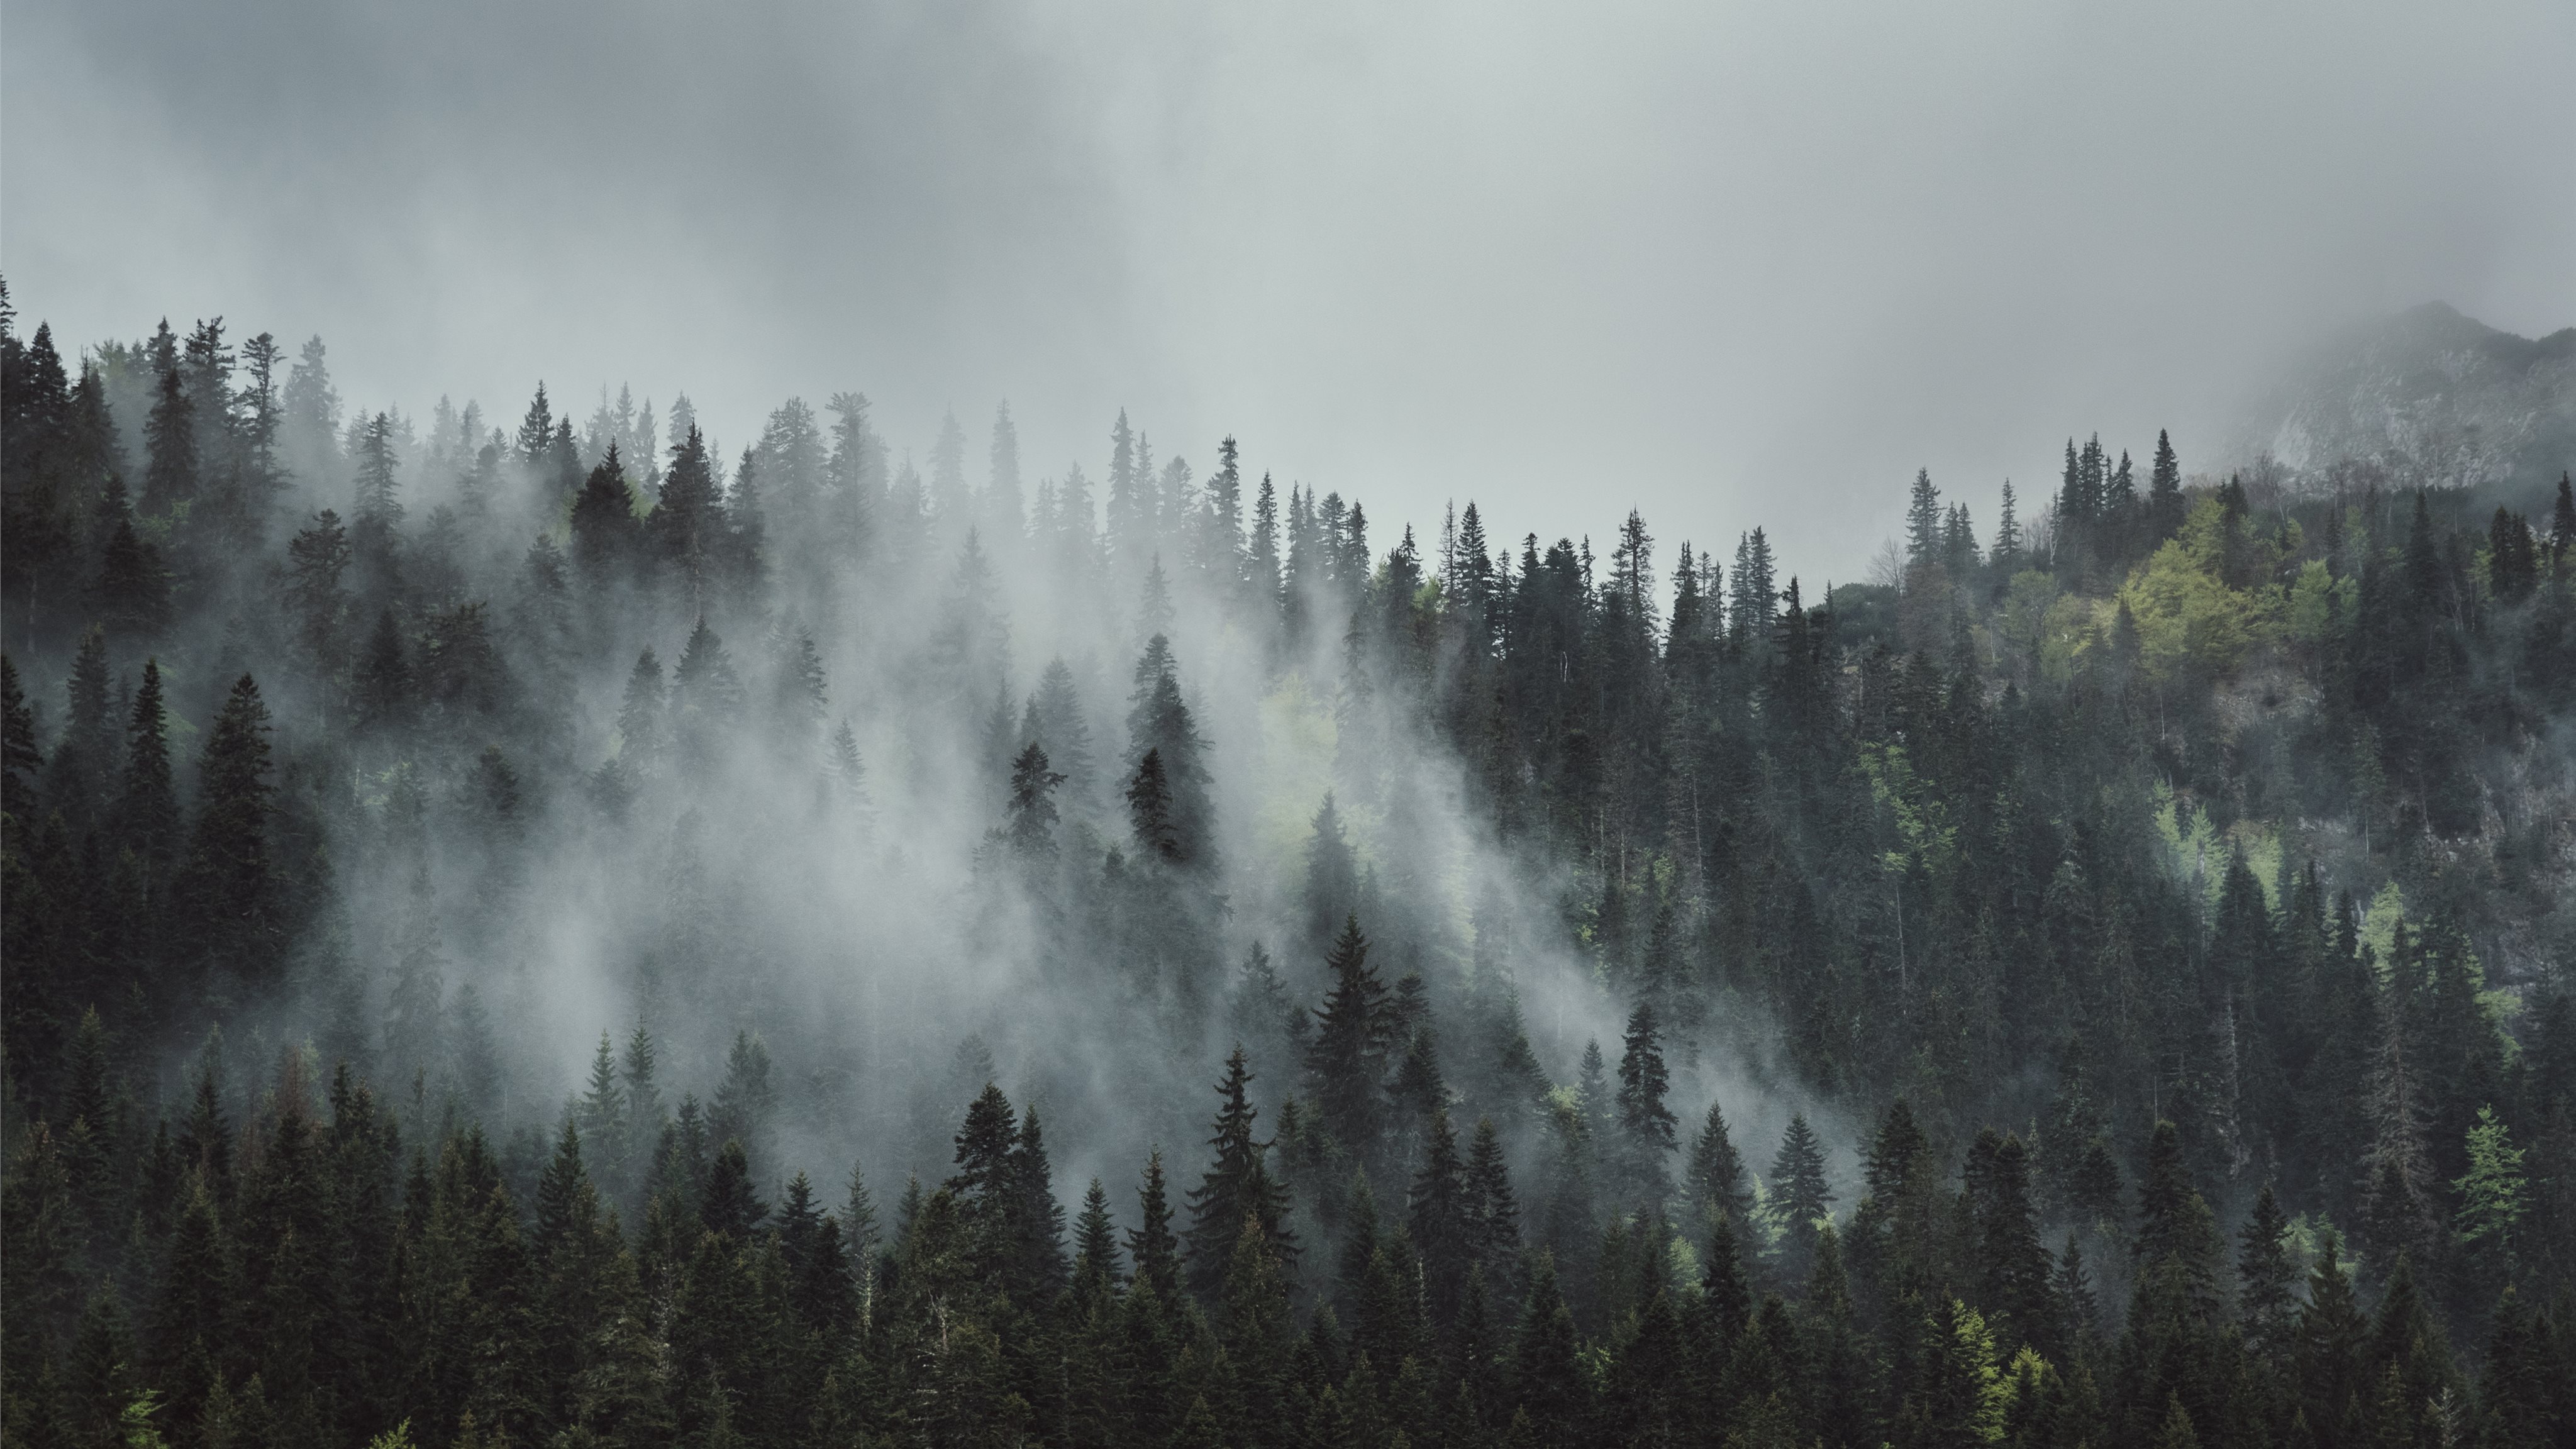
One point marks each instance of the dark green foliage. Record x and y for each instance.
(1875, 858)
(1237, 1188)
(1799, 1199)
(1346, 1058)
(1645, 1131)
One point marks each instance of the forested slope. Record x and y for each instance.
(569, 934)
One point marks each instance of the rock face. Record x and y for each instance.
(2428, 398)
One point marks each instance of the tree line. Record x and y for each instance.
(2161, 904)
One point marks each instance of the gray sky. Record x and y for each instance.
(1734, 264)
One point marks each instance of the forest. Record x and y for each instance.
(546, 930)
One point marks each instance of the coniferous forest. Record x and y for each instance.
(543, 928)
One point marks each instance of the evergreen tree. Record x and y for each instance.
(147, 815)
(231, 885)
(1236, 1188)
(1799, 1198)
(131, 591)
(2266, 1280)
(1492, 1216)
(1714, 1180)
(2164, 492)
(1346, 1058)
(1646, 1125)
(1033, 813)
(1153, 1249)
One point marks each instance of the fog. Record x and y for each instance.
(1732, 264)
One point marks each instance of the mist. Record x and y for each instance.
(1580, 705)
(1686, 259)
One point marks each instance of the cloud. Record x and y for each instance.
(1735, 264)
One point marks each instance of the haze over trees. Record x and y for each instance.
(549, 928)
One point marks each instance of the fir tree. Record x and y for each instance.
(231, 884)
(1646, 1125)
(147, 814)
(1151, 1246)
(1799, 1197)
(1346, 1059)
(1032, 806)
(1715, 1178)
(1237, 1186)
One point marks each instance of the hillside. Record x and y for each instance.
(543, 934)
(2430, 398)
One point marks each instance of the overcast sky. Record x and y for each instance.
(1733, 264)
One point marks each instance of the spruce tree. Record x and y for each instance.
(147, 812)
(1800, 1198)
(131, 591)
(1151, 1246)
(2014, 1273)
(1036, 1270)
(729, 1207)
(1440, 1216)
(1714, 1180)
(231, 885)
(1646, 1125)
(1493, 1218)
(1096, 1266)
(1032, 805)
(1237, 1186)
(1346, 1059)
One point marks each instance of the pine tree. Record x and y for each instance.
(1714, 1180)
(2164, 493)
(1957, 1399)
(1149, 811)
(2493, 1196)
(170, 478)
(1646, 1125)
(1096, 1270)
(1923, 530)
(415, 1007)
(147, 813)
(1032, 805)
(747, 1101)
(706, 696)
(1547, 1380)
(381, 687)
(1160, 723)
(2265, 1277)
(1346, 1059)
(605, 530)
(600, 1113)
(1151, 1246)
(729, 1207)
(131, 591)
(1799, 1198)
(1332, 873)
(377, 504)
(1493, 1218)
(2014, 1272)
(1237, 1186)
(1440, 1215)
(231, 885)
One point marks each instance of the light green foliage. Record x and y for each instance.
(2492, 1194)
(1682, 1263)
(2319, 603)
(134, 1423)
(1922, 818)
(2197, 850)
(2186, 613)
(2069, 630)
(2379, 923)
